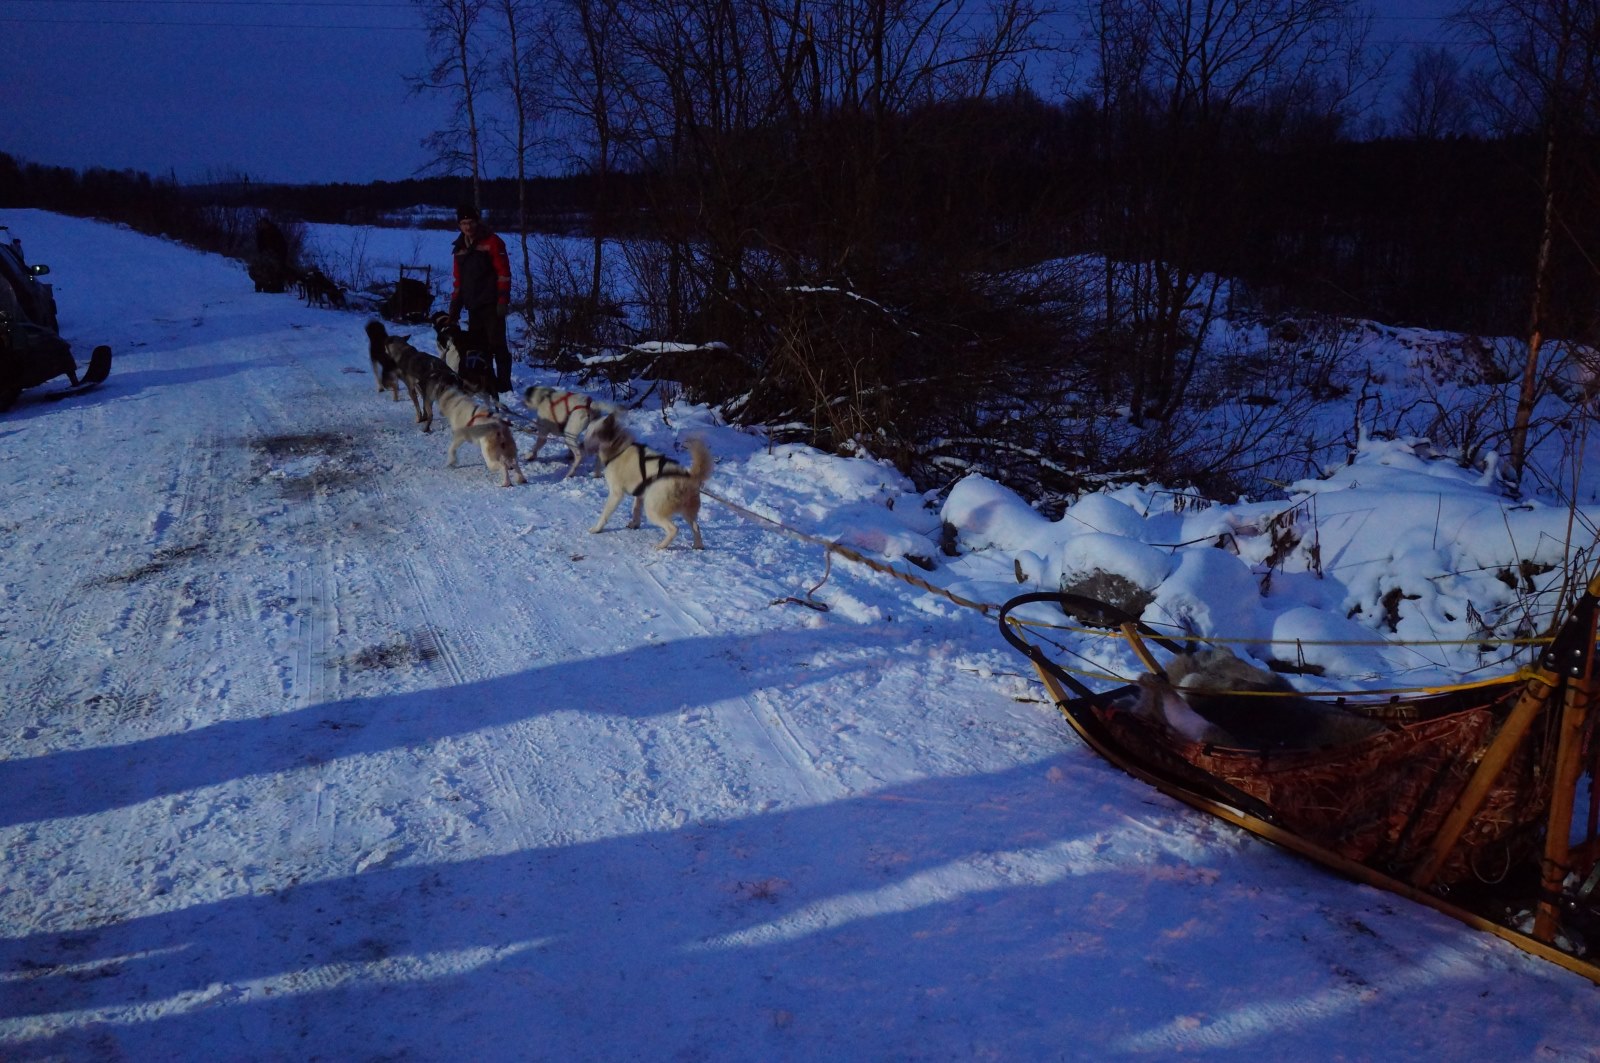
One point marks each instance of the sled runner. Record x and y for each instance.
(99, 369)
(1462, 800)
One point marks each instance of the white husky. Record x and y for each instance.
(567, 414)
(661, 488)
(470, 422)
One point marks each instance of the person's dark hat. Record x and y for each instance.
(467, 210)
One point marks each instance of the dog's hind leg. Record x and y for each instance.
(665, 524)
(456, 439)
(691, 514)
(544, 434)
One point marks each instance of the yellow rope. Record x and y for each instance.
(1363, 693)
(854, 555)
(1178, 633)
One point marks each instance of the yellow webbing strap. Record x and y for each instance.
(1142, 650)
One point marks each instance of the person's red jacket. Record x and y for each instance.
(477, 291)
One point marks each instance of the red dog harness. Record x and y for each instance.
(568, 407)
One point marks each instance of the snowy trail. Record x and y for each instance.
(312, 748)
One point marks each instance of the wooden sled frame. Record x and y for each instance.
(1566, 666)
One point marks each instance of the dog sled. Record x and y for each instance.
(1478, 801)
(411, 300)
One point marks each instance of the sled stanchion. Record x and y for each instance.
(1494, 761)
(1557, 851)
(1131, 633)
(1576, 704)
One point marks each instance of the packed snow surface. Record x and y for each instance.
(312, 748)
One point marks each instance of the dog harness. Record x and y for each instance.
(666, 468)
(569, 407)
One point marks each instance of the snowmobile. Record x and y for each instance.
(31, 355)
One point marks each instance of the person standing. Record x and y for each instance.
(481, 271)
(270, 268)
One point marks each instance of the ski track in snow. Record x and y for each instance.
(314, 748)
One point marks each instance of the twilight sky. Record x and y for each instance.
(281, 90)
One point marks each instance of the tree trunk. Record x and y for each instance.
(1536, 324)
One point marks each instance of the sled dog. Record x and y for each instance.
(661, 488)
(384, 369)
(475, 368)
(567, 414)
(318, 289)
(423, 375)
(472, 423)
(452, 341)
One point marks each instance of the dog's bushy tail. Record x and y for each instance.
(700, 469)
(599, 433)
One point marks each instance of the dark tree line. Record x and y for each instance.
(887, 237)
(1435, 233)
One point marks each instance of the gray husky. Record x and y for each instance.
(423, 374)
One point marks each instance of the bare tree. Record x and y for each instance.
(1191, 81)
(585, 55)
(1548, 55)
(520, 87)
(1436, 101)
(457, 68)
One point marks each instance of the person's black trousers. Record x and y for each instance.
(486, 331)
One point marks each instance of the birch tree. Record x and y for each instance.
(1547, 56)
(457, 66)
